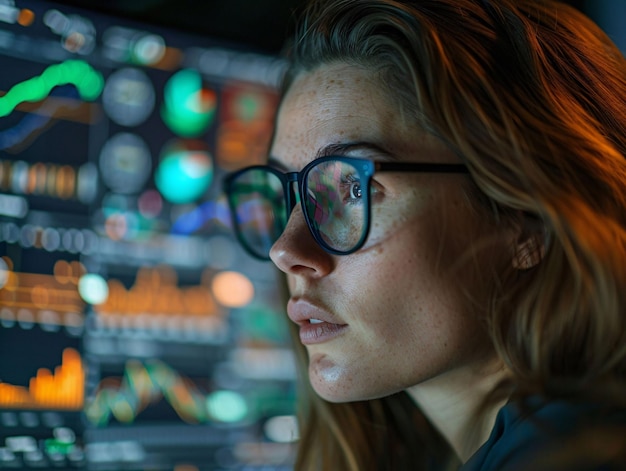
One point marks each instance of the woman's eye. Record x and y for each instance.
(351, 189)
(355, 190)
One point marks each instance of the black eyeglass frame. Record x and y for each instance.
(366, 168)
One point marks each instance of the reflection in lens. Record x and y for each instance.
(335, 214)
(260, 209)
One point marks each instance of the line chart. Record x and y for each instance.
(62, 103)
(144, 384)
(88, 82)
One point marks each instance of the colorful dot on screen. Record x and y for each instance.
(188, 108)
(184, 175)
(150, 204)
(4, 272)
(248, 106)
(26, 17)
(93, 289)
(281, 429)
(232, 289)
(226, 406)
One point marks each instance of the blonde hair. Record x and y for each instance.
(531, 94)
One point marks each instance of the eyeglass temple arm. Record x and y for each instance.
(420, 167)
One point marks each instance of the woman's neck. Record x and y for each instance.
(455, 405)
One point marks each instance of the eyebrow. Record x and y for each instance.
(341, 148)
(344, 148)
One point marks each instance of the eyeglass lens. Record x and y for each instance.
(334, 206)
(258, 200)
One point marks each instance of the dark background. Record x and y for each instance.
(263, 24)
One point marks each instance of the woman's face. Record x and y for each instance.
(395, 313)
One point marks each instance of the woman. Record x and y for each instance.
(447, 196)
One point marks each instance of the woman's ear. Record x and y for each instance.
(531, 244)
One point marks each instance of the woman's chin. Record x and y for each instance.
(334, 383)
(329, 380)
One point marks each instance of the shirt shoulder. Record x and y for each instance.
(554, 436)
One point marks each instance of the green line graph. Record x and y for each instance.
(144, 385)
(88, 81)
(141, 386)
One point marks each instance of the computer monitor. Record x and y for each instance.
(134, 333)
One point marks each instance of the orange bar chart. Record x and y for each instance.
(62, 389)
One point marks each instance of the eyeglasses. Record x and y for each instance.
(334, 192)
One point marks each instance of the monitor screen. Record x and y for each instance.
(134, 332)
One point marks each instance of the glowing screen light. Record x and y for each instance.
(149, 49)
(4, 272)
(25, 17)
(250, 106)
(128, 96)
(125, 163)
(226, 406)
(188, 108)
(150, 204)
(93, 289)
(184, 173)
(232, 289)
(85, 78)
(282, 429)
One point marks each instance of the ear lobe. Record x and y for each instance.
(530, 247)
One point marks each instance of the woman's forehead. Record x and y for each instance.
(335, 104)
(335, 81)
(340, 103)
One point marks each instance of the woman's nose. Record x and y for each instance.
(296, 252)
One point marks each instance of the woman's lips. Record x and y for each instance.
(316, 324)
(311, 333)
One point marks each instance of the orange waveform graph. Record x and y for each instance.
(46, 299)
(62, 389)
(155, 302)
(156, 291)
